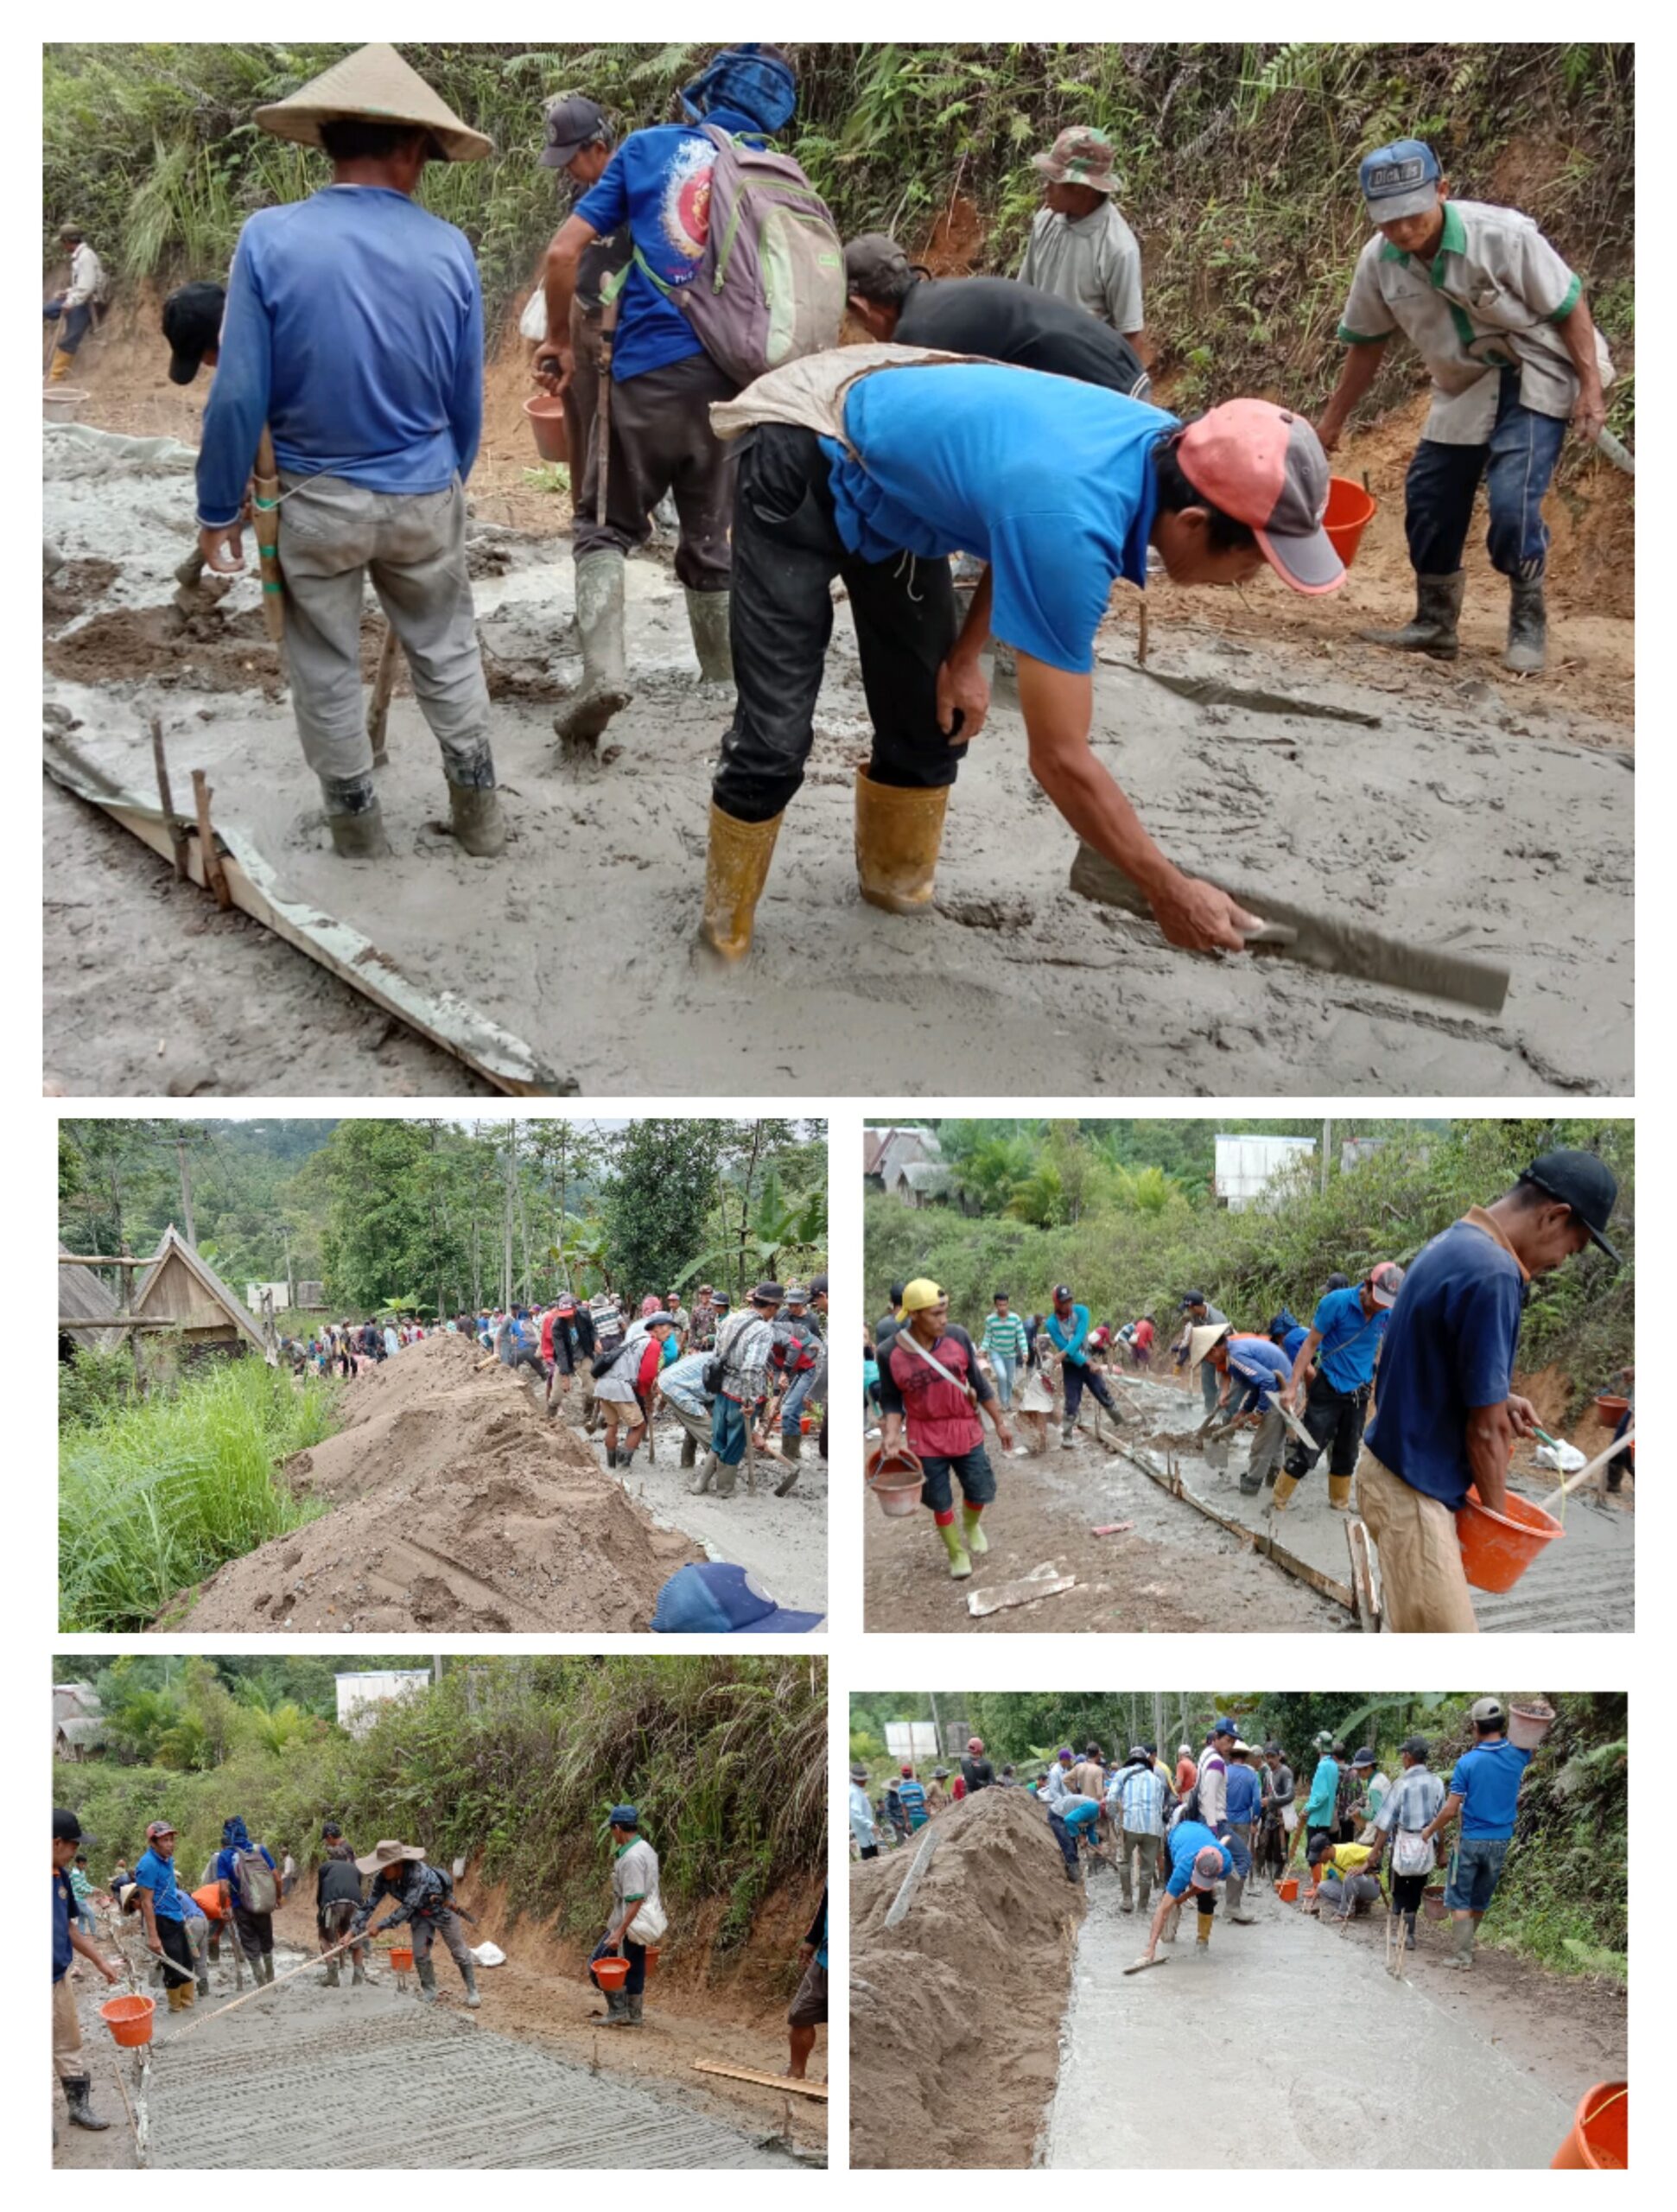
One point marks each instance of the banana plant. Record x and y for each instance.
(776, 1224)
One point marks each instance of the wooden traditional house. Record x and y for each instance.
(183, 1289)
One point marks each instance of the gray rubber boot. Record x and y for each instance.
(329, 1979)
(358, 1974)
(354, 818)
(480, 826)
(703, 1476)
(634, 2005)
(707, 618)
(267, 1967)
(78, 2087)
(1235, 1890)
(1437, 609)
(600, 617)
(789, 1452)
(1528, 647)
(426, 1969)
(617, 2009)
(1068, 1429)
(1408, 1931)
(469, 1974)
(1461, 1959)
(791, 1448)
(689, 1450)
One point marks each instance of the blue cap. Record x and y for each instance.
(1399, 180)
(1224, 1727)
(717, 1600)
(625, 1816)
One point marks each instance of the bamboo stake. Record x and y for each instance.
(176, 828)
(384, 684)
(214, 870)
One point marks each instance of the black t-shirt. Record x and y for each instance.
(979, 1773)
(1008, 321)
(600, 260)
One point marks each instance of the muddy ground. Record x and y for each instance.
(1483, 815)
(370, 2078)
(1433, 2069)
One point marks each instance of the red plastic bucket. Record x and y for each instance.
(1601, 2132)
(1288, 1890)
(610, 1974)
(895, 1481)
(129, 2019)
(547, 421)
(1432, 1903)
(652, 1958)
(1611, 1410)
(1350, 511)
(402, 1960)
(1498, 1547)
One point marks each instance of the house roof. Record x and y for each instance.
(172, 1243)
(82, 1731)
(931, 1177)
(81, 1294)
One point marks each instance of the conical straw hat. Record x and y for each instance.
(376, 85)
(1212, 1332)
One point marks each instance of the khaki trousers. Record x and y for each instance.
(66, 2033)
(1421, 1579)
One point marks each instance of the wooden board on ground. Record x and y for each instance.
(768, 2080)
(493, 1052)
(1045, 1581)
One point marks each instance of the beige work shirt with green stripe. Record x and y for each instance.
(1491, 300)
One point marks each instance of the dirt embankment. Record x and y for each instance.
(454, 1505)
(954, 2013)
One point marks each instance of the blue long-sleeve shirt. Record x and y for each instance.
(354, 329)
(1070, 1340)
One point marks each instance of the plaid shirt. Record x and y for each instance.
(1139, 1800)
(744, 1344)
(1411, 1802)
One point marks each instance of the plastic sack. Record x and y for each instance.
(489, 1955)
(1561, 1458)
(533, 322)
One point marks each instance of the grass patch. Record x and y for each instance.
(156, 1495)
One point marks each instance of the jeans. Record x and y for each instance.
(792, 1404)
(1210, 1386)
(786, 552)
(1476, 1868)
(1442, 482)
(72, 323)
(1238, 1840)
(1079, 1379)
(729, 1425)
(1004, 1366)
(1066, 1841)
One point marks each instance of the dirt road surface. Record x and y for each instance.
(1480, 816)
(1431, 2071)
(369, 2077)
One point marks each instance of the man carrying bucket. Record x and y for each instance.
(1502, 324)
(1448, 1418)
(931, 1380)
(67, 1940)
(635, 1904)
(1484, 1790)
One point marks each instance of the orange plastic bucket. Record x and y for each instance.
(1350, 511)
(652, 1957)
(1601, 2132)
(129, 2019)
(1288, 1890)
(895, 1481)
(547, 421)
(1611, 1410)
(1498, 1547)
(402, 1961)
(610, 1974)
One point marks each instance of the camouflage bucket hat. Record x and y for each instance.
(1081, 156)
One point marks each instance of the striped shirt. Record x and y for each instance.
(1137, 1797)
(1411, 1802)
(1004, 1334)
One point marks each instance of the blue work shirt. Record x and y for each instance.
(1262, 1368)
(1451, 1349)
(1078, 1813)
(226, 1869)
(63, 1910)
(1185, 1842)
(1487, 1780)
(354, 329)
(1049, 480)
(912, 1795)
(659, 183)
(1323, 1794)
(1245, 1795)
(157, 1875)
(1068, 1336)
(1350, 1341)
(1290, 1341)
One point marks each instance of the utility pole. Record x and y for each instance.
(1327, 1147)
(290, 1271)
(936, 1720)
(506, 1218)
(186, 1185)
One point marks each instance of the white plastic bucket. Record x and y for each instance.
(1528, 1725)
(59, 406)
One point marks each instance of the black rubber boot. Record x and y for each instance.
(1437, 609)
(78, 2087)
(329, 1979)
(469, 1974)
(426, 1969)
(1528, 646)
(480, 826)
(617, 2009)
(689, 1450)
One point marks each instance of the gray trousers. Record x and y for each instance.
(1135, 1842)
(697, 1427)
(333, 535)
(662, 440)
(447, 1929)
(1267, 1445)
(1346, 1891)
(1210, 1385)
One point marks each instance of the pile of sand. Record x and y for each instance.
(455, 1505)
(955, 2012)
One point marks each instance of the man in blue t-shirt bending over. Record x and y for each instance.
(1448, 1415)
(1333, 1373)
(1199, 1861)
(876, 472)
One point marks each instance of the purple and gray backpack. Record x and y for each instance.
(769, 287)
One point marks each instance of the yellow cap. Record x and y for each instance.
(920, 1294)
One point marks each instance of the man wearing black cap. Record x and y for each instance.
(994, 317)
(337, 1903)
(192, 324)
(744, 1344)
(579, 145)
(67, 1940)
(1448, 1417)
(1198, 1312)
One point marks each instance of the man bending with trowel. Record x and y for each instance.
(354, 334)
(874, 465)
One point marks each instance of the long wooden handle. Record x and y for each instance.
(349, 1944)
(1583, 1474)
(267, 495)
(384, 684)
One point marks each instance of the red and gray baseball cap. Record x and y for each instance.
(1264, 466)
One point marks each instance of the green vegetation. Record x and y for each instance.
(512, 1764)
(1071, 1202)
(1565, 1896)
(1239, 161)
(155, 1495)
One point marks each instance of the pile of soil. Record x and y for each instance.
(455, 1505)
(954, 2013)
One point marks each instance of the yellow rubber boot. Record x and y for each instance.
(60, 367)
(972, 1529)
(1339, 1493)
(1203, 1933)
(736, 868)
(961, 1565)
(898, 835)
(1285, 1486)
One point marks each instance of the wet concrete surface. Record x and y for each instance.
(305, 2076)
(1285, 2045)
